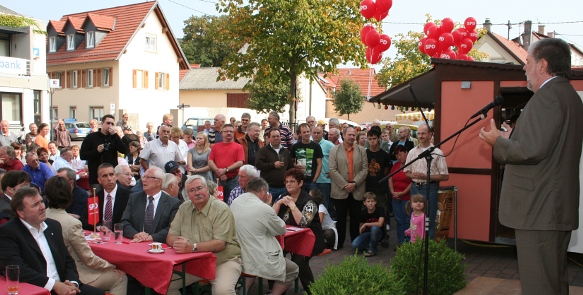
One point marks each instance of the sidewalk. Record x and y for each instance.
(494, 268)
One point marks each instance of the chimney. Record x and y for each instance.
(541, 29)
(526, 36)
(487, 25)
(551, 34)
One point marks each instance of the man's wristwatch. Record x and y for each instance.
(75, 283)
(227, 169)
(194, 247)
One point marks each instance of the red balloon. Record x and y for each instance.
(469, 58)
(433, 32)
(384, 5)
(367, 8)
(457, 37)
(446, 25)
(464, 33)
(365, 31)
(384, 43)
(427, 26)
(470, 23)
(372, 38)
(421, 45)
(380, 15)
(462, 56)
(372, 56)
(465, 46)
(448, 54)
(473, 35)
(431, 46)
(445, 40)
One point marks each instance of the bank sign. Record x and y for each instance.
(12, 65)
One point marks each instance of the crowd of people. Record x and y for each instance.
(239, 179)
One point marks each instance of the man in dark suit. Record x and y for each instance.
(115, 194)
(540, 190)
(148, 214)
(36, 245)
(11, 181)
(78, 207)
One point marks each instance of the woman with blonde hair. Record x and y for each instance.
(94, 124)
(198, 157)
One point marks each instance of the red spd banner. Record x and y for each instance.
(92, 210)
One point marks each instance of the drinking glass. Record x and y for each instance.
(118, 233)
(12, 274)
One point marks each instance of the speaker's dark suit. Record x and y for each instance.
(122, 196)
(18, 247)
(5, 208)
(135, 212)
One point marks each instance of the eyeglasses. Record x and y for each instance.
(149, 177)
(196, 189)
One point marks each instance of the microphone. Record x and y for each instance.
(497, 101)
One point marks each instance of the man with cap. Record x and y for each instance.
(173, 168)
(322, 124)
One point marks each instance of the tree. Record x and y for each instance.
(348, 100)
(18, 21)
(291, 38)
(266, 96)
(201, 43)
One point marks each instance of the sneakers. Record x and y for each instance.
(370, 253)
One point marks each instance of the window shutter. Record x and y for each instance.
(167, 82)
(67, 79)
(83, 78)
(156, 80)
(110, 76)
(97, 75)
(79, 81)
(134, 80)
(145, 79)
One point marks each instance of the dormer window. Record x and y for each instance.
(71, 42)
(53, 44)
(90, 39)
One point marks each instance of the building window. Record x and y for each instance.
(96, 113)
(140, 79)
(89, 78)
(151, 43)
(74, 76)
(37, 106)
(90, 39)
(11, 103)
(59, 76)
(105, 75)
(71, 42)
(162, 81)
(53, 44)
(73, 112)
(54, 113)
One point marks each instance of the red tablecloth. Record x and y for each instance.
(155, 270)
(23, 288)
(298, 240)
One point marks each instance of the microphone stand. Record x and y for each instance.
(427, 156)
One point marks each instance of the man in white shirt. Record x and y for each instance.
(64, 161)
(161, 150)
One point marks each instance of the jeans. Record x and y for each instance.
(228, 186)
(308, 186)
(325, 189)
(403, 219)
(276, 192)
(368, 240)
(422, 190)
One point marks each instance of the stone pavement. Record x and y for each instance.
(483, 261)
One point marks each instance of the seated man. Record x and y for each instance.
(39, 172)
(125, 177)
(138, 217)
(170, 186)
(8, 160)
(36, 245)
(203, 223)
(93, 270)
(246, 173)
(11, 181)
(78, 207)
(257, 227)
(64, 161)
(113, 198)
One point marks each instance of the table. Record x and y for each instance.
(134, 259)
(297, 240)
(23, 288)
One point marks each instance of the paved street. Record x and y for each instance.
(483, 261)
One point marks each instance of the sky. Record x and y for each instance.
(562, 16)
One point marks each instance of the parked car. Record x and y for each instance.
(78, 130)
(197, 124)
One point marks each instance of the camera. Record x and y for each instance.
(106, 146)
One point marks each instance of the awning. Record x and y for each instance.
(416, 116)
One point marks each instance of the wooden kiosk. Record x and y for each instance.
(456, 90)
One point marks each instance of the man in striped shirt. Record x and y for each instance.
(284, 131)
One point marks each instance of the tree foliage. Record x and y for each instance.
(202, 43)
(291, 38)
(266, 96)
(18, 21)
(348, 100)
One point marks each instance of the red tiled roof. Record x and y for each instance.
(57, 25)
(77, 22)
(123, 21)
(513, 47)
(362, 77)
(101, 22)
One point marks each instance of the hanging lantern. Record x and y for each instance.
(393, 107)
(386, 107)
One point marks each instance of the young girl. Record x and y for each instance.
(327, 223)
(417, 227)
